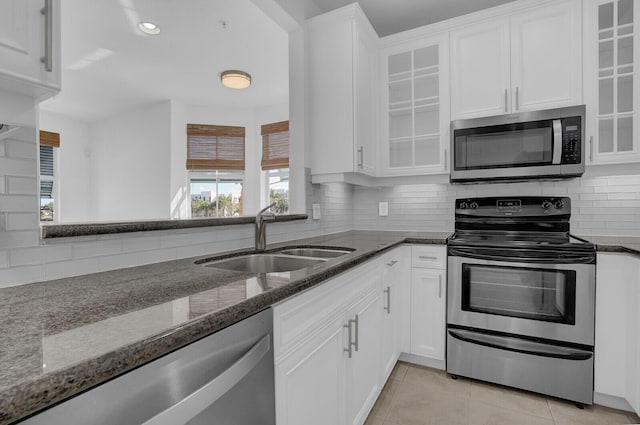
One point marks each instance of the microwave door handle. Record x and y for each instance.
(557, 142)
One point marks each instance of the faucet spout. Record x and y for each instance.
(261, 218)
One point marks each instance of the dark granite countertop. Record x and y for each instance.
(62, 337)
(50, 231)
(619, 244)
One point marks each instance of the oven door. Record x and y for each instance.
(533, 297)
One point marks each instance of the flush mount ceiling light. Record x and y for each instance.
(235, 79)
(149, 28)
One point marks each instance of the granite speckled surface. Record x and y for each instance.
(62, 337)
(619, 244)
(50, 231)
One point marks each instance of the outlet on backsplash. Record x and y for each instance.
(383, 209)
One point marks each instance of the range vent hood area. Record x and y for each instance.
(6, 130)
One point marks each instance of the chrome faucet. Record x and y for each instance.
(261, 218)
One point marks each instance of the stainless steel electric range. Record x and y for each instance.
(521, 296)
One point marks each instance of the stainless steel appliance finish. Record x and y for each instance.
(224, 379)
(526, 145)
(521, 296)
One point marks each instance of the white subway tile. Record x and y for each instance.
(13, 276)
(121, 261)
(22, 221)
(19, 239)
(71, 268)
(593, 196)
(624, 195)
(613, 189)
(18, 203)
(40, 255)
(18, 149)
(93, 249)
(4, 259)
(22, 186)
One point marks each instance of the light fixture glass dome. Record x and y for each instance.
(235, 79)
(149, 28)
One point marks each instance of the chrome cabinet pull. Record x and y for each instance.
(392, 263)
(351, 344)
(47, 12)
(591, 149)
(446, 160)
(357, 321)
(506, 101)
(361, 157)
(426, 257)
(440, 286)
(388, 292)
(517, 98)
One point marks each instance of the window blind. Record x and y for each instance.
(215, 147)
(46, 189)
(48, 138)
(46, 161)
(275, 145)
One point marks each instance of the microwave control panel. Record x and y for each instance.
(571, 140)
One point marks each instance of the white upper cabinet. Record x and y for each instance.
(529, 60)
(611, 76)
(480, 80)
(342, 70)
(30, 47)
(415, 101)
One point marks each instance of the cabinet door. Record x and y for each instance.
(611, 80)
(546, 57)
(416, 113)
(22, 44)
(365, 96)
(428, 313)
(311, 382)
(480, 78)
(363, 368)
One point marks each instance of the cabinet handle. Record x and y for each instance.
(47, 59)
(426, 257)
(350, 343)
(506, 101)
(591, 149)
(361, 157)
(517, 98)
(392, 263)
(446, 160)
(357, 321)
(388, 292)
(440, 286)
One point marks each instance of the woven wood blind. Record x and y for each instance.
(48, 138)
(215, 147)
(275, 145)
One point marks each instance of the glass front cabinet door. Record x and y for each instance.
(611, 80)
(415, 104)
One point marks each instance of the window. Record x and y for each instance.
(48, 141)
(215, 160)
(275, 162)
(216, 193)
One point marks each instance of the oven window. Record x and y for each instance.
(528, 145)
(530, 293)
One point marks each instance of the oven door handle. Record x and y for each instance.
(475, 254)
(520, 345)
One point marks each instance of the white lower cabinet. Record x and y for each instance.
(327, 349)
(617, 343)
(428, 304)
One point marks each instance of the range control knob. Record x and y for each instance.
(559, 204)
(463, 205)
(473, 205)
(546, 204)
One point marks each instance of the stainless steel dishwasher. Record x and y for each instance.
(224, 379)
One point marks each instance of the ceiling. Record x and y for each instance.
(109, 67)
(393, 16)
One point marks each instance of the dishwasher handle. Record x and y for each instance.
(196, 402)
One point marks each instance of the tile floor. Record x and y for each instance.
(416, 395)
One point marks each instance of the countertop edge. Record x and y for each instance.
(24, 400)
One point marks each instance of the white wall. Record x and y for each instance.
(130, 165)
(73, 173)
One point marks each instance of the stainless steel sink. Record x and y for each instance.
(316, 252)
(264, 263)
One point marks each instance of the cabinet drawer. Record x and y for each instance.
(429, 256)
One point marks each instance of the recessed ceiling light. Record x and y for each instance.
(235, 79)
(149, 28)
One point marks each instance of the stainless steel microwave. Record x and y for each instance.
(521, 146)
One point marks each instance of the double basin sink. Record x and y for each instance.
(283, 260)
